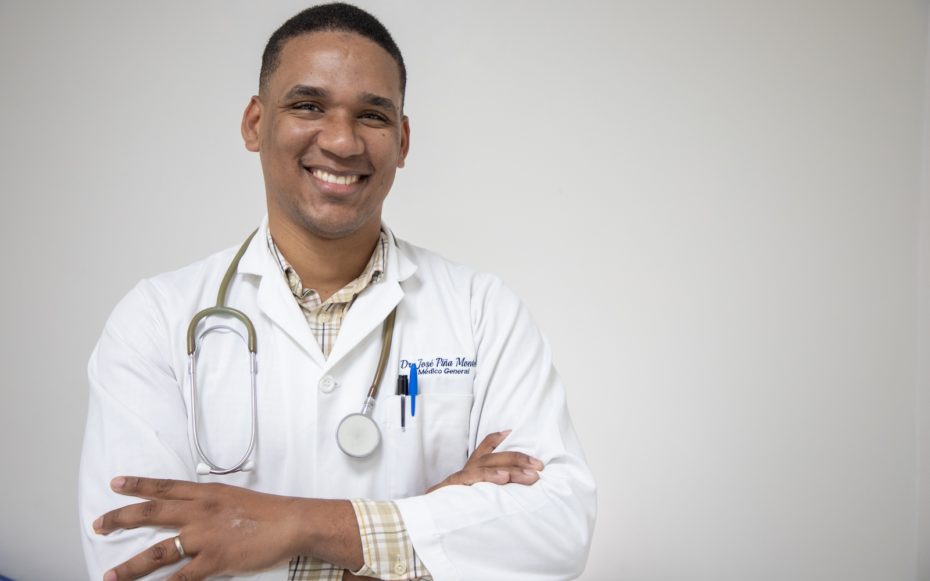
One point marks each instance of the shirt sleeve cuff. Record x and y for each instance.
(386, 546)
(310, 569)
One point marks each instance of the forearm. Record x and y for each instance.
(541, 531)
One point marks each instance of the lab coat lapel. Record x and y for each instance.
(374, 304)
(274, 297)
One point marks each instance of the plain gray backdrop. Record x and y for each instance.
(717, 210)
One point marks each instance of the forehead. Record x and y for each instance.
(336, 59)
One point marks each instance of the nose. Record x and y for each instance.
(339, 136)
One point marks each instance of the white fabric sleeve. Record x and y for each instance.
(514, 532)
(135, 407)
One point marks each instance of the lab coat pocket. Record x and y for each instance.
(434, 443)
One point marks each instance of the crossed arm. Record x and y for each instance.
(521, 532)
(227, 529)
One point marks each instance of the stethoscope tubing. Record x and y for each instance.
(207, 465)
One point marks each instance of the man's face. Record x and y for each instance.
(331, 134)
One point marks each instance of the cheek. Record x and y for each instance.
(290, 136)
(389, 152)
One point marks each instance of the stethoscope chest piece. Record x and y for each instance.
(358, 435)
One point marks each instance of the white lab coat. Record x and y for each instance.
(484, 367)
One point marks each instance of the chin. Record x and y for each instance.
(333, 229)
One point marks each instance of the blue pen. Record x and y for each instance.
(413, 389)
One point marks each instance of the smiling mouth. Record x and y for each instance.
(338, 180)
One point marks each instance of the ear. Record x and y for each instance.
(251, 124)
(404, 141)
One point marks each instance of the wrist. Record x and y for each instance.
(300, 525)
(326, 530)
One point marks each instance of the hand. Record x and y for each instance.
(223, 529)
(486, 465)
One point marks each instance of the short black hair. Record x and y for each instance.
(336, 17)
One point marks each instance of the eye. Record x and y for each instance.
(374, 116)
(308, 106)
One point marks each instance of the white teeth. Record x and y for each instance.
(334, 179)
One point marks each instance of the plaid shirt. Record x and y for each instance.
(386, 547)
(325, 318)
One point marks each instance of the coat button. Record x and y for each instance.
(328, 383)
(399, 567)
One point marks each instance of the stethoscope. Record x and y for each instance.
(357, 435)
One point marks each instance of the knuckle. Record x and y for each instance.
(134, 484)
(210, 506)
(149, 509)
(158, 553)
(163, 485)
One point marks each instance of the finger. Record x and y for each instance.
(155, 488)
(475, 475)
(151, 513)
(498, 476)
(492, 475)
(507, 459)
(490, 442)
(525, 476)
(196, 570)
(159, 555)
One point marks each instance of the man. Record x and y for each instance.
(328, 288)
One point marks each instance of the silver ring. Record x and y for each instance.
(177, 545)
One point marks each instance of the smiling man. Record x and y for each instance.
(480, 476)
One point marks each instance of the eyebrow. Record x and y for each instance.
(378, 101)
(306, 91)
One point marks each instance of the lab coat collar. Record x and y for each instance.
(375, 303)
(253, 261)
(369, 310)
(397, 260)
(274, 297)
(258, 259)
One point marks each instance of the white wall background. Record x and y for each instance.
(718, 211)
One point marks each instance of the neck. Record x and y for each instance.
(324, 265)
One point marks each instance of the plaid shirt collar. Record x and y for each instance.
(309, 298)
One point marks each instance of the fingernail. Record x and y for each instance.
(506, 433)
(110, 575)
(536, 463)
(98, 524)
(529, 472)
(117, 484)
